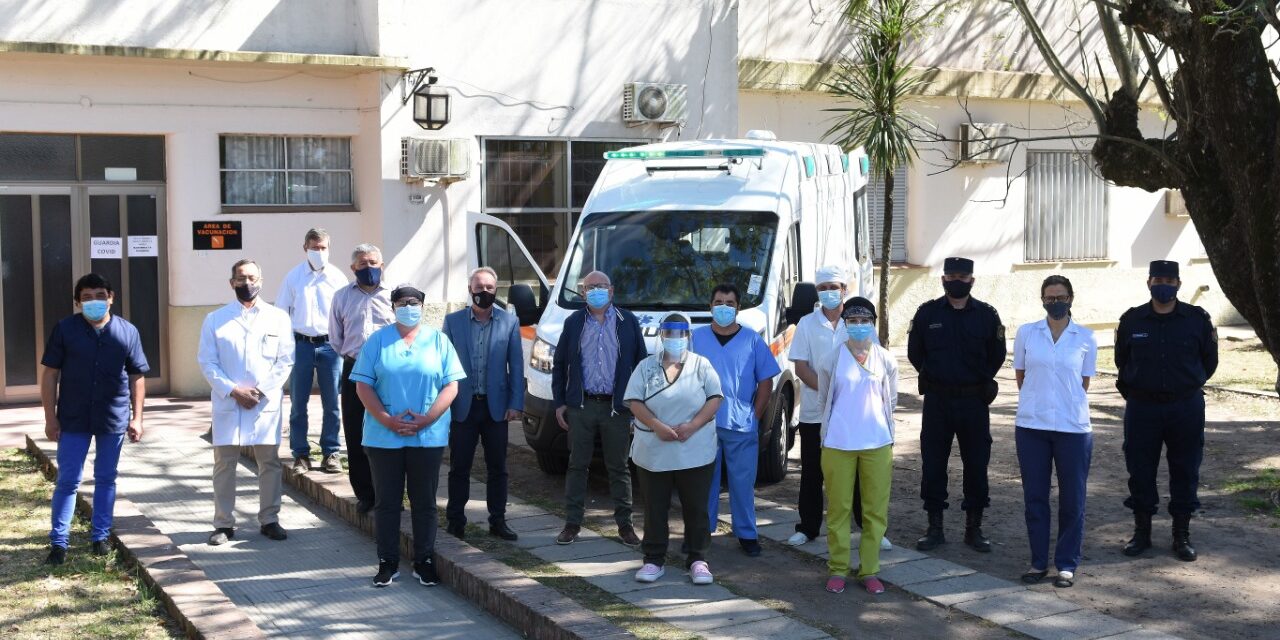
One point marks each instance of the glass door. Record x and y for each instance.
(39, 241)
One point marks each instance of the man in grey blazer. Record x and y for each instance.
(487, 339)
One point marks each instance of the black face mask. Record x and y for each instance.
(369, 276)
(958, 289)
(1057, 310)
(248, 291)
(484, 299)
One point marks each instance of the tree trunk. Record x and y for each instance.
(886, 244)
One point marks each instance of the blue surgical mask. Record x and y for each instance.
(409, 316)
(860, 332)
(597, 298)
(369, 276)
(675, 346)
(94, 310)
(1164, 293)
(830, 298)
(723, 315)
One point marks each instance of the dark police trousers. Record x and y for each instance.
(1179, 427)
(353, 429)
(479, 427)
(967, 420)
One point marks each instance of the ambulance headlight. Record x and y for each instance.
(543, 355)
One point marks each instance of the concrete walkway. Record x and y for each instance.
(1002, 602)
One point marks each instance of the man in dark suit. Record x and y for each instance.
(487, 339)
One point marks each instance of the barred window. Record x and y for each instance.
(1066, 217)
(269, 172)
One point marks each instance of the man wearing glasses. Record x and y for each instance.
(246, 354)
(599, 348)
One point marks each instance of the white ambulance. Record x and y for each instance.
(668, 222)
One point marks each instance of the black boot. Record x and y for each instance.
(973, 531)
(934, 535)
(1182, 538)
(1141, 540)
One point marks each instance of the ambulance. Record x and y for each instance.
(668, 222)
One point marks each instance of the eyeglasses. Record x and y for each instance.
(594, 287)
(1053, 299)
(407, 303)
(246, 279)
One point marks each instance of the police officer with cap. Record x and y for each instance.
(957, 345)
(1165, 351)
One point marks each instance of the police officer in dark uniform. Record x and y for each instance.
(957, 345)
(1165, 351)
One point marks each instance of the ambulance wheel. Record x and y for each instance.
(555, 464)
(773, 453)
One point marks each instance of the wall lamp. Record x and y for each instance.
(430, 103)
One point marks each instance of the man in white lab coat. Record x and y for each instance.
(246, 354)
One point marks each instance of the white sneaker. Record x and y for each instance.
(798, 538)
(650, 573)
(885, 545)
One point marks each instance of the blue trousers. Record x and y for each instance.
(319, 362)
(740, 451)
(1040, 452)
(1178, 427)
(73, 448)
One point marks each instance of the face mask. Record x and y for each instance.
(1164, 293)
(675, 346)
(958, 289)
(409, 316)
(317, 259)
(829, 298)
(484, 299)
(94, 310)
(248, 291)
(723, 315)
(598, 298)
(1058, 310)
(369, 276)
(860, 332)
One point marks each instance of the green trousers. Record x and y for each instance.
(874, 470)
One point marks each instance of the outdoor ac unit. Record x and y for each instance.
(435, 158)
(649, 102)
(979, 143)
(1174, 204)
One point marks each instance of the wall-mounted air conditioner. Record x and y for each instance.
(982, 143)
(656, 103)
(1174, 204)
(445, 159)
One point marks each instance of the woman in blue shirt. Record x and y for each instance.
(406, 376)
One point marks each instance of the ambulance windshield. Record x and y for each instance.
(671, 260)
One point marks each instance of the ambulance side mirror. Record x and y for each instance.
(803, 297)
(524, 304)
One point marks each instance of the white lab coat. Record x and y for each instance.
(250, 351)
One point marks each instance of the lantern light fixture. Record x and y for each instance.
(431, 104)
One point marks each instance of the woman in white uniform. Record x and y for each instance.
(859, 386)
(674, 395)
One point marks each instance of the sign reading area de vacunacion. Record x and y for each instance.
(216, 235)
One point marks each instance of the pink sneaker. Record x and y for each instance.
(873, 585)
(835, 584)
(700, 573)
(650, 573)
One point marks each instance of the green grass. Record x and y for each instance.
(1259, 493)
(1241, 364)
(88, 597)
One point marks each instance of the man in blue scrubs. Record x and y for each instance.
(746, 368)
(92, 388)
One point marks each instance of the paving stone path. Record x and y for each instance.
(1008, 604)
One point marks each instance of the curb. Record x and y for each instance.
(532, 608)
(202, 610)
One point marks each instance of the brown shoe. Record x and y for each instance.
(301, 465)
(569, 534)
(627, 534)
(331, 464)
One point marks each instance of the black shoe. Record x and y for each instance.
(57, 556)
(1141, 540)
(456, 529)
(425, 572)
(1033, 576)
(100, 547)
(274, 531)
(973, 531)
(1182, 539)
(364, 506)
(934, 535)
(221, 535)
(751, 547)
(569, 534)
(387, 573)
(627, 534)
(501, 530)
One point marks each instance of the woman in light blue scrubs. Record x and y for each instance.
(406, 376)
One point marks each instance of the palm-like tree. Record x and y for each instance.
(877, 81)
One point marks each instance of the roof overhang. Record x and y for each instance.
(356, 64)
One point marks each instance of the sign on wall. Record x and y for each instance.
(216, 235)
(106, 248)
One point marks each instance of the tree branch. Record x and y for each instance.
(1121, 56)
(1153, 70)
(1055, 64)
(1167, 20)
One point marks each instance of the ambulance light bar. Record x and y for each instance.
(741, 152)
